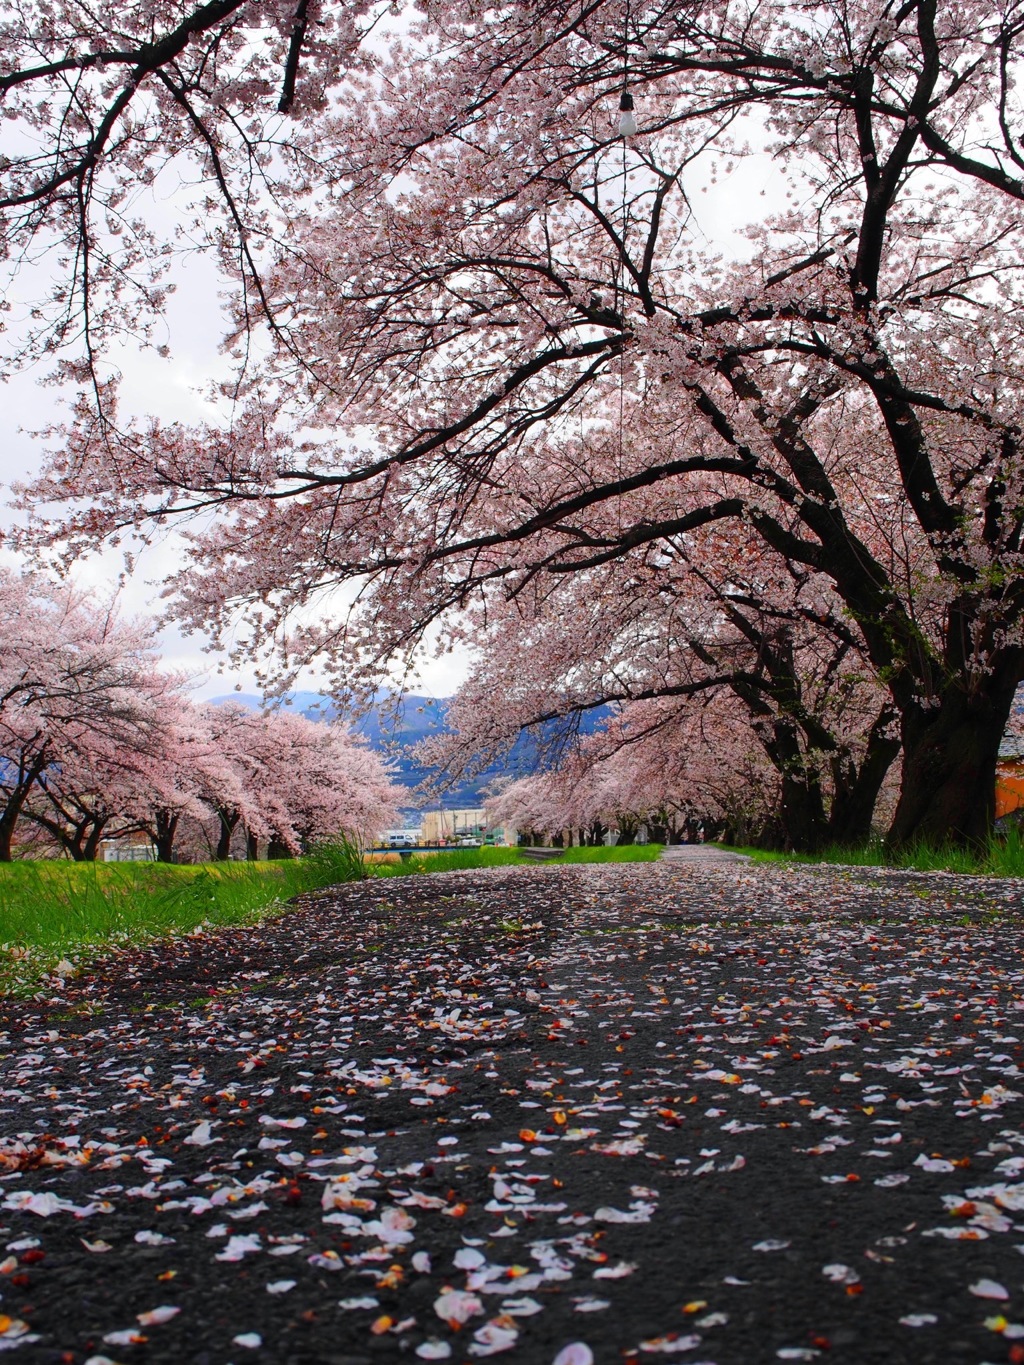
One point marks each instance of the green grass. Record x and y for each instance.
(1002, 857)
(625, 853)
(55, 915)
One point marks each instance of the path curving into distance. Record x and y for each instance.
(703, 854)
(703, 1112)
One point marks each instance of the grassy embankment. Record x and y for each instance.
(55, 915)
(1003, 856)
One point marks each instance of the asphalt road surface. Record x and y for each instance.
(705, 1113)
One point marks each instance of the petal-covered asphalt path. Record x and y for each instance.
(707, 1114)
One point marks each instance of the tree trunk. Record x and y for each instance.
(949, 768)
(228, 822)
(74, 842)
(252, 849)
(92, 843)
(165, 830)
(27, 777)
(802, 807)
(7, 822)
(856, 787)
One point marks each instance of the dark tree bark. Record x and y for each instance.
(25, 778)
(949, 768)
(802, 806)
(80, 838)
(228, 824)
(90, 847)
(163, 832)
(856, 787)
(76, 821)
(627, 829)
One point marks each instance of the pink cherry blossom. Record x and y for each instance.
(481, 344)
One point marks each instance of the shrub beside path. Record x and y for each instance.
(706, 1111)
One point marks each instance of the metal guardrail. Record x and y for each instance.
(424, 848)
(407, 850)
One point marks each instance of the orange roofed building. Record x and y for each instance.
(1010, 768)
(1009, 785)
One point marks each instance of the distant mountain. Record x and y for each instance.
(394, 727)
(311, 704)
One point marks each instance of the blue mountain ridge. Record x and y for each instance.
(393, 726)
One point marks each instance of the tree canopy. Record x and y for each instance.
(499, 343)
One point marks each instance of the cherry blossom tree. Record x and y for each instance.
(672, 771)
(134, 131)
(310, 780)
(79, 692)
(96, 740)
(90, 792)
(657, 625)
(226, 784)
(509, 353)
(190, 775)
(273, 779)
(280, 780)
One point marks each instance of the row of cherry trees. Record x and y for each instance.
(97, 741)
(485, 347)
(727, 711)
(677, 774)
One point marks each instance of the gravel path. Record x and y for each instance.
(711, 1113)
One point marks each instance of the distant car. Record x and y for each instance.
(400, 838)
